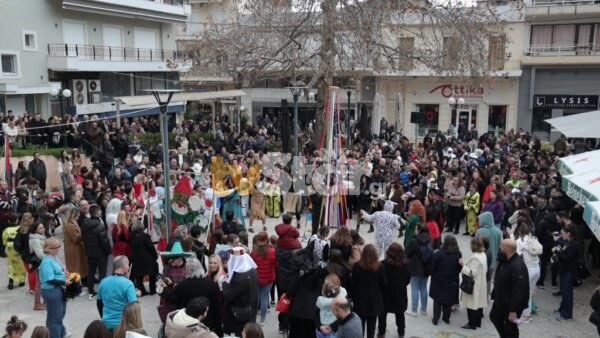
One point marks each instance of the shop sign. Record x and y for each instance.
(458, 90)
(566, 101)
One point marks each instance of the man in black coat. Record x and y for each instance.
(97, 246)
(511, 290)
(37, 170)
(543, 231)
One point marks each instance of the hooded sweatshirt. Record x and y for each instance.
(180, 325)
(488, 229)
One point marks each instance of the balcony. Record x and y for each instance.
(170, 11)
(562, 8)
(206, 74)
(561, 55)
(89, 58)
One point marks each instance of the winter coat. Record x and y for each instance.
(496, 208)
(476, 266)
(304, 297)
(456, 196)
(288, 236)
(544, 230)
(445, 272)
(488, 229)
(191, 288)
(416, 265)
(192, 331)
(36, 245)
(366, 290)
(398, 278)
(285, 268)
(409, 231)
(95, 238)
(37, 170)
(121, 243)
(75, 258)
(265, 266)
(511, 284)
(143, 255)
(241, 292)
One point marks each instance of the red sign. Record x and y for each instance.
(456, 90)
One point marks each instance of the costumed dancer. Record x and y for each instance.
(182, 215)
(337, 213)
(273, 198)
(232, 202)
(16, 268)
(385, 223)
(472, 205)
(257, 205)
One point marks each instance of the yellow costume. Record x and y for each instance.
(472, 201)
(16, 268)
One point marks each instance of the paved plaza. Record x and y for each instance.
(81, 311)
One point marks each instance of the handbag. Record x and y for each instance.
(283, 304)
(467, 284)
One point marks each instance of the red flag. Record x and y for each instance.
(7, 166)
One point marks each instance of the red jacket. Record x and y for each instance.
(265, 266)
(288, 236)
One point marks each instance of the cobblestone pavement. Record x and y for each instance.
(81, 311)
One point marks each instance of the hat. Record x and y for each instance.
(197, 168)
(261, 239)
(473, 156)
(176, 251)
(479, 152)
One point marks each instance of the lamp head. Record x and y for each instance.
(54, 91)
(451, 100)
(461, 101)
(66, 93)
(242, 108)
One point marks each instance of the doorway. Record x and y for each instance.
(465, 119)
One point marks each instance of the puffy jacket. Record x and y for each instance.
(413, 253)
(265, 266)
(288, 236)
(95, 238)
(198, 330)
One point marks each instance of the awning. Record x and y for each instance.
(591, 215)
(578, 125)
(576, 163)
(200, 96)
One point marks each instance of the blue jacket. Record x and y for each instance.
(488, 229)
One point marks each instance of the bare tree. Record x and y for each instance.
(318, 40)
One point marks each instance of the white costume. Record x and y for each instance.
(385, 222)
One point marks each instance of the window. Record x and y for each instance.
(30, 41)
(497, 119)
(10, 63)
(450, 52)
(496, 52)
(406, 46)
(429, 118)
(538, 123)
(570, 37)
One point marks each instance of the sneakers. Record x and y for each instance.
(563, 319)
(555, 286)
(67, 335)
(411, 313)
(540, 286)
(92, 296)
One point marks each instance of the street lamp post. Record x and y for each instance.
(349, 89)
(240, 112)
(163, 103)
(66, 93)
(297, 90)
(454, 104)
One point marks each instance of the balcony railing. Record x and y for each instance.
(107, 53)
(173, 2)
(564, 50)
(561, 2)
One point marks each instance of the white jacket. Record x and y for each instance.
(477, 266)
(531, 261)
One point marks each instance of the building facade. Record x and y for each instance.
(561, 63)
(98, 49)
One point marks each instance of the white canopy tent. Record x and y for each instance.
(586, 125)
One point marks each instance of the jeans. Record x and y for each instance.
(566, 290)
(418, 284)
(400, 323)
(96, 263)
(534, 275)
(55, 312)
(263, 299)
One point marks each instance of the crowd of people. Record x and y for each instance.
(500, 191)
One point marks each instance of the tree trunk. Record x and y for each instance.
(327, 55)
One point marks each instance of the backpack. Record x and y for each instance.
(21, 245)
(534, 247)
(306, 264)
(425, 253)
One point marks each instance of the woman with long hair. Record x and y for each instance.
(75, 257)
(120, 236)
(215, 268)
(76, 162)
(446, 265)
(416, 216)
(252, 330)
(398, 277)
(476, 268)
(42, 332)
(96, 329)
(522, 236)
(367, 284)
(23, 237)
(338, 266)
(263, 255)
(130, 320)
(342, 241)
(37, 236)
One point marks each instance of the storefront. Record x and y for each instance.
(420, 105)
(549, 93)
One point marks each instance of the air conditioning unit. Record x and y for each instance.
(96, 97)
(94, 86)
(80, 92)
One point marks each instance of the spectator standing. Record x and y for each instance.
(97, 247)
(143, 258)
(350, 325)
(37, 236)
(188, 322)
(419, 253)
(53, 278)
(566, 257)
(489, 230)
(367, 284)
(288, 234)
(263, 255)
(524, 238)
(511, 290)
(475, 302)
(37, 170)
(445, 269)
(74, 252)
(120, 236)
(114, 292)
(397, 274)
(456, 198)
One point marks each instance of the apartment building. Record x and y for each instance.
(98, 49)
(561, 62)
